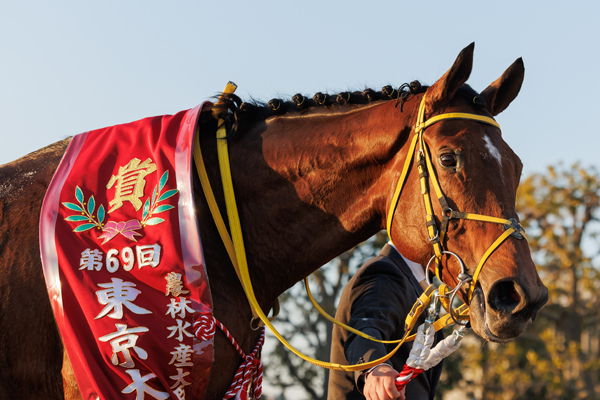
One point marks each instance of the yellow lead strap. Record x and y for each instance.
(427, 295)
(212, 204)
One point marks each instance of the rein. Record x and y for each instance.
(236, 250)
(212, 203)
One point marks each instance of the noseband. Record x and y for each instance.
(437, 234)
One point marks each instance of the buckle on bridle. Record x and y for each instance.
(516, 226)
(436, 238)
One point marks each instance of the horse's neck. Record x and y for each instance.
(314, 187)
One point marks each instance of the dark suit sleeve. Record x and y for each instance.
(379, 306)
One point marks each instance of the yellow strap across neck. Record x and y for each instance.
(212, 204)
(214, 208)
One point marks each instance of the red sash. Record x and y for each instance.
(123, 261)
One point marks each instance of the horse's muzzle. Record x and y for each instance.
(507, 309)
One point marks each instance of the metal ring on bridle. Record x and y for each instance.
(456, 318)
(463, 270)
(463, 279)
(448, 212)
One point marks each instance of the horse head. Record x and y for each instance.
(477, 174)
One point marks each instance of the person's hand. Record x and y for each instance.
(380, 384)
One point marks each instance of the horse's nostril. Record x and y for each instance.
(505, 297)
(515, 296)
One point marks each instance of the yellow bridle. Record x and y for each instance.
(237, 253)
(425, 168)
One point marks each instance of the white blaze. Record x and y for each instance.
(493, 150)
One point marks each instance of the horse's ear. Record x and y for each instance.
(504, 90)
(444, 89)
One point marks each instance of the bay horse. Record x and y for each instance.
(313, 178)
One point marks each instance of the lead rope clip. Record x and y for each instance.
(422, 356)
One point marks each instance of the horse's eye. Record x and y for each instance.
(448, 160)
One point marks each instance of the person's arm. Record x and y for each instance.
(378, 308)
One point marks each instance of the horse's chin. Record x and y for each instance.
(490, 326)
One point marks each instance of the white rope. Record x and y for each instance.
(422, 357)
(442, 350)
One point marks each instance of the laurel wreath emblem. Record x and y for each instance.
(94, 218)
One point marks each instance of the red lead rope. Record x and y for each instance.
(406, 375)
(250, 371)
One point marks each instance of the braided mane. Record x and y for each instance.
(238, 115)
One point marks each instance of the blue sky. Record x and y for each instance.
(68, 66)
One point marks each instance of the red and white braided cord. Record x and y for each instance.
(250, 371)
(406, 375)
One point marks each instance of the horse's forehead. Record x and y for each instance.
(483, 137)
(492, 149)
(491, 146)
(483, 146)
(496, 155)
